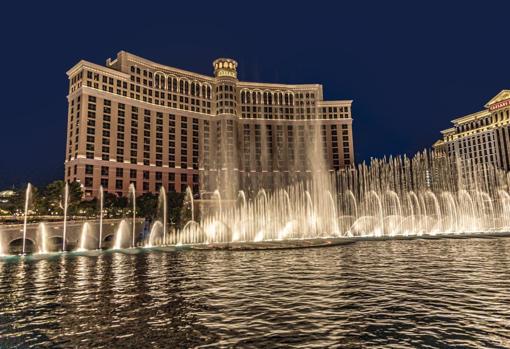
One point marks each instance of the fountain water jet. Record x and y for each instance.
(163, 203)
(85, 234)
(188, 200)
(101, 203)
(66, 204)
(132, 193)
(424, 195)
(42, 238)
(27, 199)
(121, 234)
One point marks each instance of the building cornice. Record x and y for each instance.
(164, 68)
(269, 85)
(334, 103)
(448, 130)
(471, 117)
(96, 67)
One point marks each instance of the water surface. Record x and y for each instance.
(399, 294)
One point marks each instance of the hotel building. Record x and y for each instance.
(136, 121)
(480, 138)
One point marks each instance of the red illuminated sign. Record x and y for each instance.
(499, 105)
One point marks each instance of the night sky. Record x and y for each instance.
(409, 68)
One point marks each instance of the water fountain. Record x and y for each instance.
(66, 204)
(101, 212)
(121, 235)
(189, 202)
(42, 238)
(27, 200)
(427, 196)
(162, 203)
(3, 249)
(85, 237)
(132, 195)
(155, 235)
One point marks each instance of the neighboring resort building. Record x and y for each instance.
(136, 121)
(480, 138)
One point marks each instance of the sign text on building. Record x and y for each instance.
(499, 105)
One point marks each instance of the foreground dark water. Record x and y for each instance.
(423, 293)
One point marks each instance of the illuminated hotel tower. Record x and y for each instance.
(481, 138)
(136, 121)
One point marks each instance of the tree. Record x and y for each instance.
(175, 202)
(16, 203)
(88, 208)
(115, 206)
(147, 205)
(52, 197)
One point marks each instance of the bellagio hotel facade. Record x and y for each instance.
(136, 121)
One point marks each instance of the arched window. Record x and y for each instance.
(159, 80)
(174, 84)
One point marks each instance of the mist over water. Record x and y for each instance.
(420, 293)
(428, 194)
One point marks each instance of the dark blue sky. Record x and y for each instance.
(409, 67)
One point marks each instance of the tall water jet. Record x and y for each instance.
(163, 206)
(101, 203)
(84, 237)
(132, 192)
(2, 244)
(42, 238)
(66, 203)
(27, 200)
(120, 234)
(156, 229)
(217, 195)
(188, 200)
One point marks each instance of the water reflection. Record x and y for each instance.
(436, 293)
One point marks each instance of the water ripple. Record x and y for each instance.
(399, 294)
